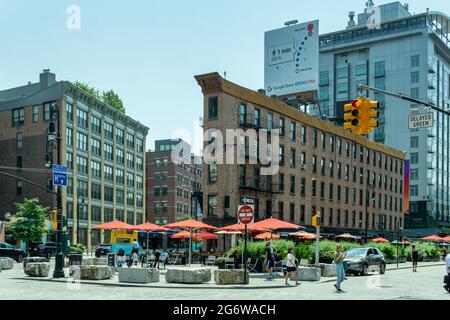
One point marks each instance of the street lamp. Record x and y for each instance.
(368, 188)
(78, 217)
(398, 227)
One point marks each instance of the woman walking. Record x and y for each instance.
(414, 257)
(291, 266)
(340, 272)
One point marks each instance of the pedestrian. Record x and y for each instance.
(270, 260)
(414, 257)
(340, 271)
(164, 258)
(291, 266)
(156, 263)
(447, 269)
(136, 247)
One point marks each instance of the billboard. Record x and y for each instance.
(291, 59)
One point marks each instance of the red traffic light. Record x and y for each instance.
(356, 103)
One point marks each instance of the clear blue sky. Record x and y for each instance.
(149, 51)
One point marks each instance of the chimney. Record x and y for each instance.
(351, 22)
(47, 79)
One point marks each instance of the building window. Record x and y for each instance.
(212, 173)
(69, 160)
(213, 107)
(414, 142)
(95, 125)
(96, 191)
(130, 199)
(19, 188)
(35, 114)
(47, 111)
(324, 140)
(81, 141)
(314, 188)
(108, 152)
(119, 156)
(139, 163)
(379, 69)
(292, 159)
(415, 77)
(82, 165)
(69, 137)
(18, 117)
(292, 184)
(314, 138)
(140, 145)
(212, 205)
(302, 187)
(130, 160)
(95, 169)
(120, 179)
(119, 136)
(303, 134)
(81, 118)
(95, 147)
(130, 141)
(270, 121)
(414, 190)
(281, 155)
(415, 61)
(69, 112)
(108, 172)
(108, 130)
(282, 126)
(139, 182)
(414, 175)
(291, 212)
(415, 93)
(19, 140)
(130, 180)
(293, 130)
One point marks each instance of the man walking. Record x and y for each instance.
(414, 257)
(340, 271)
(270, 260)
(447, 269)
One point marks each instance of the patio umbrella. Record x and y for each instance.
(206, 236)
(311, 236)
(446, 238)
(190, 225)
(182, 235)
(380, 240)
(267, 235)
(149, 227)
(347, 236)
(404, 242)
(432, 238)
(273, 224)
(114, 225)
(299, 234)
(241, 227)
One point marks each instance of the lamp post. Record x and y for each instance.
(82, 206)
(368, 188)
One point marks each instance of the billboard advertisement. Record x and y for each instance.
(291, 59)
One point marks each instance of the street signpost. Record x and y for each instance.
(60, 175)
(247, 200)
(246, 215)
(419, 121)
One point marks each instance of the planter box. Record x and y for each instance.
(431, 259)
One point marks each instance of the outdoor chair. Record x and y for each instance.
(229, 262)
(251, 267)
(210, 261)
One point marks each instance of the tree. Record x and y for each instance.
(30, 221)
(112, 98)
(184, 217)
(86, 87)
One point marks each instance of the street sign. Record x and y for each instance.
(246, 214)
(59, 175)
(424, 120)
(247, 200)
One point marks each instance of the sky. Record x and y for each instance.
(149, 51)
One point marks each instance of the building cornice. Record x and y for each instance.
(213, 83)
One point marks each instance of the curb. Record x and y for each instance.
(180, 286)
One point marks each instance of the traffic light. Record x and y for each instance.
(352, 115)
(369, 115)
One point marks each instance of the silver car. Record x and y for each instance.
(362, 260)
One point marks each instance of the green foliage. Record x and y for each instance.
(112, 98)
(184, 217)
(30, 219)
(109, 97)
(77, 248)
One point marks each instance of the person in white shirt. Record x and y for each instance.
(291, 266)
(447, 269)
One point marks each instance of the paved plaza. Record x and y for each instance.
(395, 284)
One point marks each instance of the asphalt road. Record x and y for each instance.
(395, 284)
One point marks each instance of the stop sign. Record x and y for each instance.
(246, 214)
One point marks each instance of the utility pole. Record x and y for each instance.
(368, 198)
(59, 257)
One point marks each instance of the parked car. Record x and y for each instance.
(360, 260)
(7, 250)
(102, 250)
(43, 249)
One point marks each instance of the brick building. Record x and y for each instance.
(103, 148)
(323, 167)
(173, 189)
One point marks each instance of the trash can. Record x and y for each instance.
(75, 259)
(111, 260)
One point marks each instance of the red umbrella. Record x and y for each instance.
(182, 235)
(114, 225)
(273, 224)
(346, 236)
(380, 240)
(205, 236)
(432, 238)
(267, 235)
(241, 227)
(148, 227)
(446, 238)
(311, 236)
(190, 225)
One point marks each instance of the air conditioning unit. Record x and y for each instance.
(303, 166)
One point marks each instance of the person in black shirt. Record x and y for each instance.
(270, 260)
(414, 257)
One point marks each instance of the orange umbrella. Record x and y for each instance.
(148, 227)
(182, 235)
(298, 234)
(273, 224)
(380, 240)
(346, 236)
(190, 224)
(267, 235)
(446, 238)
(241, 227)
(114, 225)
(432, 238)
(311, 236)
(205, 236)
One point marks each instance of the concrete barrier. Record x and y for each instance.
(37, 269)
(138, 275)
(6, 263)
(195, 276)
(33, 260)
(91, 272)
(328, 270)
(230, 277)
(95, 261)
(308, 274)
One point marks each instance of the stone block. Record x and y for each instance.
(95, 261)
(230, 277)
(91, 272)
(309, 274)
(194, 276)
(33, 260)
(328, 270)
(6, 263)
(138, 275)
(37, 269)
